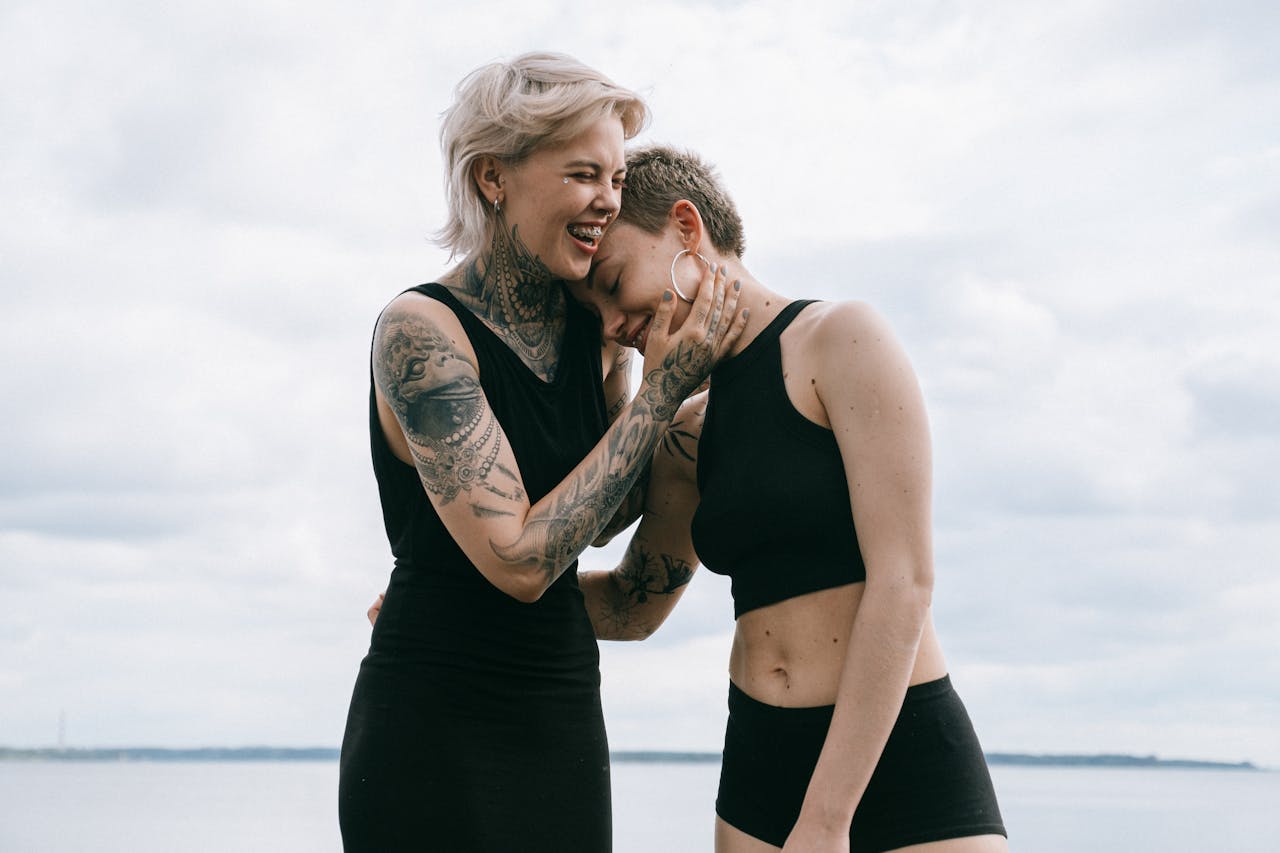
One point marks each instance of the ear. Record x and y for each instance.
(487, 172)
(688, 223)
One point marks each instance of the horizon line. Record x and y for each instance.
(328, 753)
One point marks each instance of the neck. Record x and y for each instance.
(508, 284)
(516, 295)
(763, 304)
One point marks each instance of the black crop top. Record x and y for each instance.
(774, 513)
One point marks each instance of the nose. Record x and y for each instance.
(609, 200)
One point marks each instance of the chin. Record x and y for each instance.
(572, 270)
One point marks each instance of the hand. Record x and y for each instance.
(375, 609)
(676, 363)
(812, 838)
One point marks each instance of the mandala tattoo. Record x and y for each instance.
(435, 391)
(512, 289)
(682, 370)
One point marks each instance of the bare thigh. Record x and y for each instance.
(732, 840)
(973, 844)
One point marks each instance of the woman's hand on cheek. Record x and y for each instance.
(676, 363)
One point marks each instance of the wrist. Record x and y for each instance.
(663, 392)
(831, 816)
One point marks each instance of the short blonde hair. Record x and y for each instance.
(658, 176)
(509, 110)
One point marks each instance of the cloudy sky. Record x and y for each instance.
(1069, 211)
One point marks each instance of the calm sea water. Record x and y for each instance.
(291, 808)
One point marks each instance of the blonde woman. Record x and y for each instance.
(475, 721)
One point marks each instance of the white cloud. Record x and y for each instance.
(1068, 212)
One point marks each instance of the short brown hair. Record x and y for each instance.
(658, 176)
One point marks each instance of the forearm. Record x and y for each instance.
(628, 511)
(560, 526)
(884, 642)
(632, 601)
(607, 607)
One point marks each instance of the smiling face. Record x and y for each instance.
(632, 269)
(561, 198)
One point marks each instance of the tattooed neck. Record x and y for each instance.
(516, 295)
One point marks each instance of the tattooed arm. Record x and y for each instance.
(632, 600)
(617, 390)
(433, 409)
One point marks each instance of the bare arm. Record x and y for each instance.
(425, 374)
(873, 401)
(630, 601)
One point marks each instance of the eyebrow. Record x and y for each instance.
(591, 164)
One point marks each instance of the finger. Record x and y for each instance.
(660, 325)
(717, 309)
(706, 293)
(717, 299)
(728, 312)
(733, 333)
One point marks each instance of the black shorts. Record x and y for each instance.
(930, 784)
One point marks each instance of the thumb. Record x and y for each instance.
(660, 325)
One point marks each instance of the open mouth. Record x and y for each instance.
(639, 339)
(589, 234)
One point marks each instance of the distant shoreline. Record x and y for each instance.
(267, 753)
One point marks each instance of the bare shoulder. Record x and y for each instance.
(858, 360)
(419, 310)
(848, 323)
(419, 345)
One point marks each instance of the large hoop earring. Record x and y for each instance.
(678, 256)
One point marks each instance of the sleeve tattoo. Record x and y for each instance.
(434, 389)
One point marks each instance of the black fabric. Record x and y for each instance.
(930, 784)
(774, 513)
(475, 723)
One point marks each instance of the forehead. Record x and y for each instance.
(601, 143)
(618, 247)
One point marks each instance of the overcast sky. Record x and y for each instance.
(1069, 211)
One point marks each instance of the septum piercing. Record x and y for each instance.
(678, 256)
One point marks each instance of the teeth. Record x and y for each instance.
(587, 233)
(634, 343)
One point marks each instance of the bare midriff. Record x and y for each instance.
(791, 654)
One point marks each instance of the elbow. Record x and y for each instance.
(918, 591)
(643, 630)
(527, 590)
(524, 585)
(909, 591)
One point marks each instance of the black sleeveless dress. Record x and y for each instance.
(475, 724)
